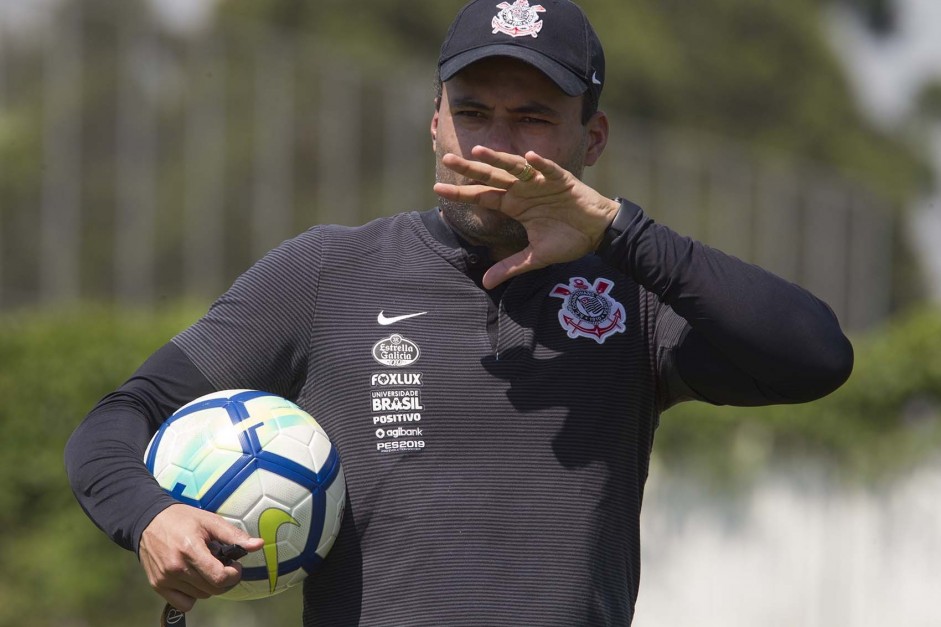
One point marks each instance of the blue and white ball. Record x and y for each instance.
(264, 465)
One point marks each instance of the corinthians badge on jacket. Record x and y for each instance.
(587, 310)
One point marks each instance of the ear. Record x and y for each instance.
(597, 137)
(434, 131)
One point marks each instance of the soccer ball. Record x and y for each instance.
(264, 465)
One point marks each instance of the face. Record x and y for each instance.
(510, 106)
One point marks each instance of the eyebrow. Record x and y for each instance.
(536, 108)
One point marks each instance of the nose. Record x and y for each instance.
(500, 137)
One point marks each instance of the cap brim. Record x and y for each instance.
(568, 81)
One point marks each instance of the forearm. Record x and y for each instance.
(104, 456)
(104, 461)
(755, 338)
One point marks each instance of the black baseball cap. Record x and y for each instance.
(552, 35)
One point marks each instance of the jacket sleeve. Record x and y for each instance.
(254, 336)
(104, 457)
(752, 338)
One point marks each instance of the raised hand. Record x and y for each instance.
(564, 218)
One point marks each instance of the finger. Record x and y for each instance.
(515, 164)
(504, 163)
(208, 575)
(190, 578)
(228, 533)
(480, 195)
(551, 170)
(213, 575)
(191, 590)
(177, 599)
(479, 171)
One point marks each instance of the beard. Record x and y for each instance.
(479, 226)
(487, 227)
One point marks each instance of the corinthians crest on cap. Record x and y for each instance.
(587, 309)
(518, 19)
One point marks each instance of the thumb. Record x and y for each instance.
(505, 269)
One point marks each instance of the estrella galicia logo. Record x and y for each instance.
(587, 309)
(396, 351)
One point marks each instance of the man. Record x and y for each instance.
(553, 325)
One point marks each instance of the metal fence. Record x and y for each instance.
(137, 166)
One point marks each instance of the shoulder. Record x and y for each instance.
(383, 240)
(324, 243)
(398, 225)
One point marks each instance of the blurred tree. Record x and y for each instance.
(58, 569)
(760, 72)
(880, 15)
(929, 100)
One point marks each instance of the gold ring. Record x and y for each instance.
(527, 174)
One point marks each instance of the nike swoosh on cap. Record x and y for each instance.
(383, 320)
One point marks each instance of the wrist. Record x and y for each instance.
(623, 216)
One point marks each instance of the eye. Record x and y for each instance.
(469, 113)
(533, 120)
